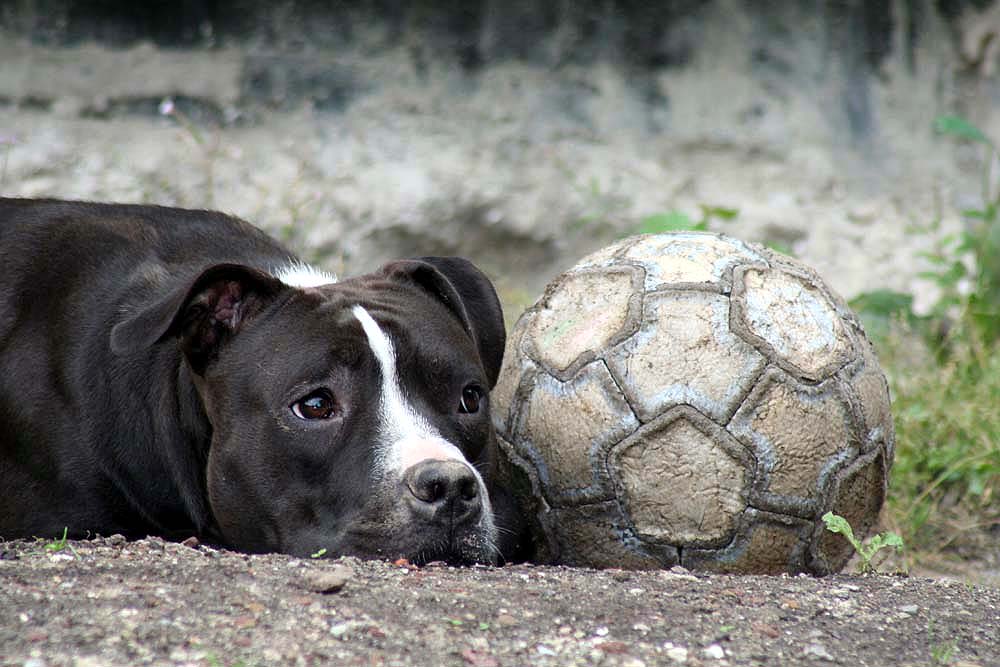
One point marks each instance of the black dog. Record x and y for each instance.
(175, 372)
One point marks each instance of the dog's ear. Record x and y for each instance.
(202, 315)
(468, 293)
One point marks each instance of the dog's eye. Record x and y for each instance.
(472, 396)
(317, 405)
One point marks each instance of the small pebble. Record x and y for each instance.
(909, 609)
(191, 542)
(506, 620)
(817, 650)
(328, 581)
(714, 652)
(678, 654)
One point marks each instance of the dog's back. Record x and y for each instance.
(68, 272)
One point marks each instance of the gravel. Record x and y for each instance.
(108, 601)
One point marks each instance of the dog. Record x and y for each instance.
(178, 372)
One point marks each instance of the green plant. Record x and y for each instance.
(965, 265)
(866, 550)
(601, 204)
(942, 652)
(60, 543)
(214, 661)
(6, 143)
(318, 554)
(677, 221)
(972, 291)
(882, 308)
(944, 373)
(210, 148)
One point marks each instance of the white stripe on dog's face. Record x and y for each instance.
(406, 437)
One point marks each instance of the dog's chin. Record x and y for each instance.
(472, 549)
(468, 548)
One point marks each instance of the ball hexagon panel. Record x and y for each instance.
(568, 426)
(605, 256)
(688, 258)
(684, 354)
(781, 262)
(595, 536)
(515, 368)
(678, 483)
(793, 322)
(799, 435)
(765, 543)
(584, 313)
(872, 391)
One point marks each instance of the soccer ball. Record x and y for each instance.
(691, 399)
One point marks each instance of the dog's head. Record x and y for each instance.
(351, 416)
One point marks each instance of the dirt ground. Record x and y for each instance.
(113, 602)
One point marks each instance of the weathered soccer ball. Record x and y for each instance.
(692, 399)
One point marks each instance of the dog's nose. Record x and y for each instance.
(443, 489)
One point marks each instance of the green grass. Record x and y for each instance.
(945, 484)
(214, 661)
(944, 372)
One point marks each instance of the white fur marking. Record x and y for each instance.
(398, 420)
(407, 438)
(300, 274)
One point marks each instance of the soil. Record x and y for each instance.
(108, 601)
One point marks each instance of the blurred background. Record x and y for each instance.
(854, 135)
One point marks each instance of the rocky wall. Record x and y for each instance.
(522, 134)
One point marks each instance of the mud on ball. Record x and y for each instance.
(693, 399)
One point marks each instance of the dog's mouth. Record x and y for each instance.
(469, 549)
(416, 542)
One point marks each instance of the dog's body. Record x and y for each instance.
(175, 372)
